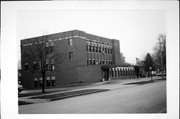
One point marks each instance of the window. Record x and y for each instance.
(93, 48)
(90, 62)
(51, 49)
(94, 62)
(40, 82)
(52, 67)
(87, 47)
(70, 42)
(26, 66)
(99, 49)
(48, 82)
(47, 67)
(87, 62)
(111, 51)
(35, 82)
(70, 55)
(53, 78)
(105, 50)
(35, 66)
(47, 49)
(90, 48)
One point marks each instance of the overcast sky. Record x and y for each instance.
(137, 30)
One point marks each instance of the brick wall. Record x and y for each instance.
(90, 73)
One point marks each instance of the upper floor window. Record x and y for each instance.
(70, 42)
(87, 62)
(110, 50)
(70, 55)
(96, 48)
(93, 48)
(105, 50)
(35, 66)
(94, 62)
(90, 48)
(99, 49)
(52, 67)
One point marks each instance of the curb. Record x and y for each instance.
(79, 94)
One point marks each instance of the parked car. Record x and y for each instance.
(20, 88)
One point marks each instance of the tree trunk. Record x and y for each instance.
(43, 85)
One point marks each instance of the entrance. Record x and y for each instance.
(106, 75)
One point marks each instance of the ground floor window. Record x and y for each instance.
(48, 82)
(53, 81)
(40, 82)
(35, 84)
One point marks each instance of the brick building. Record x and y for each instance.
(79, 57)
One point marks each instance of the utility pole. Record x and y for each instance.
(162, 68)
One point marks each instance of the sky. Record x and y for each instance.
(137, 30)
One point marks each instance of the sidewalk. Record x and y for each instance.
(35, 96)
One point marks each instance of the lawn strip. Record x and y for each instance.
(68, 94)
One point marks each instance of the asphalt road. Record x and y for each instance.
(146, 98)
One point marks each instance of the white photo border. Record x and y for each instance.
(9, 11)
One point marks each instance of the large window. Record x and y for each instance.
(70, 55)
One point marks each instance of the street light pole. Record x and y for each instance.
(162, 69)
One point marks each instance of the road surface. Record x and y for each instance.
(146, 98)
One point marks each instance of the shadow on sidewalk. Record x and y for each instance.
(140, 82)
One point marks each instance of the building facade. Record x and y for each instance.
(79, 57)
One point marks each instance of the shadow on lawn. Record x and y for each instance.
(23, 103)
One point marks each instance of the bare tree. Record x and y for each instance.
(41, 51)
(159, 55)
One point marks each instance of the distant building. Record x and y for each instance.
(80, 57)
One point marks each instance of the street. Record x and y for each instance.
(130, 98)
